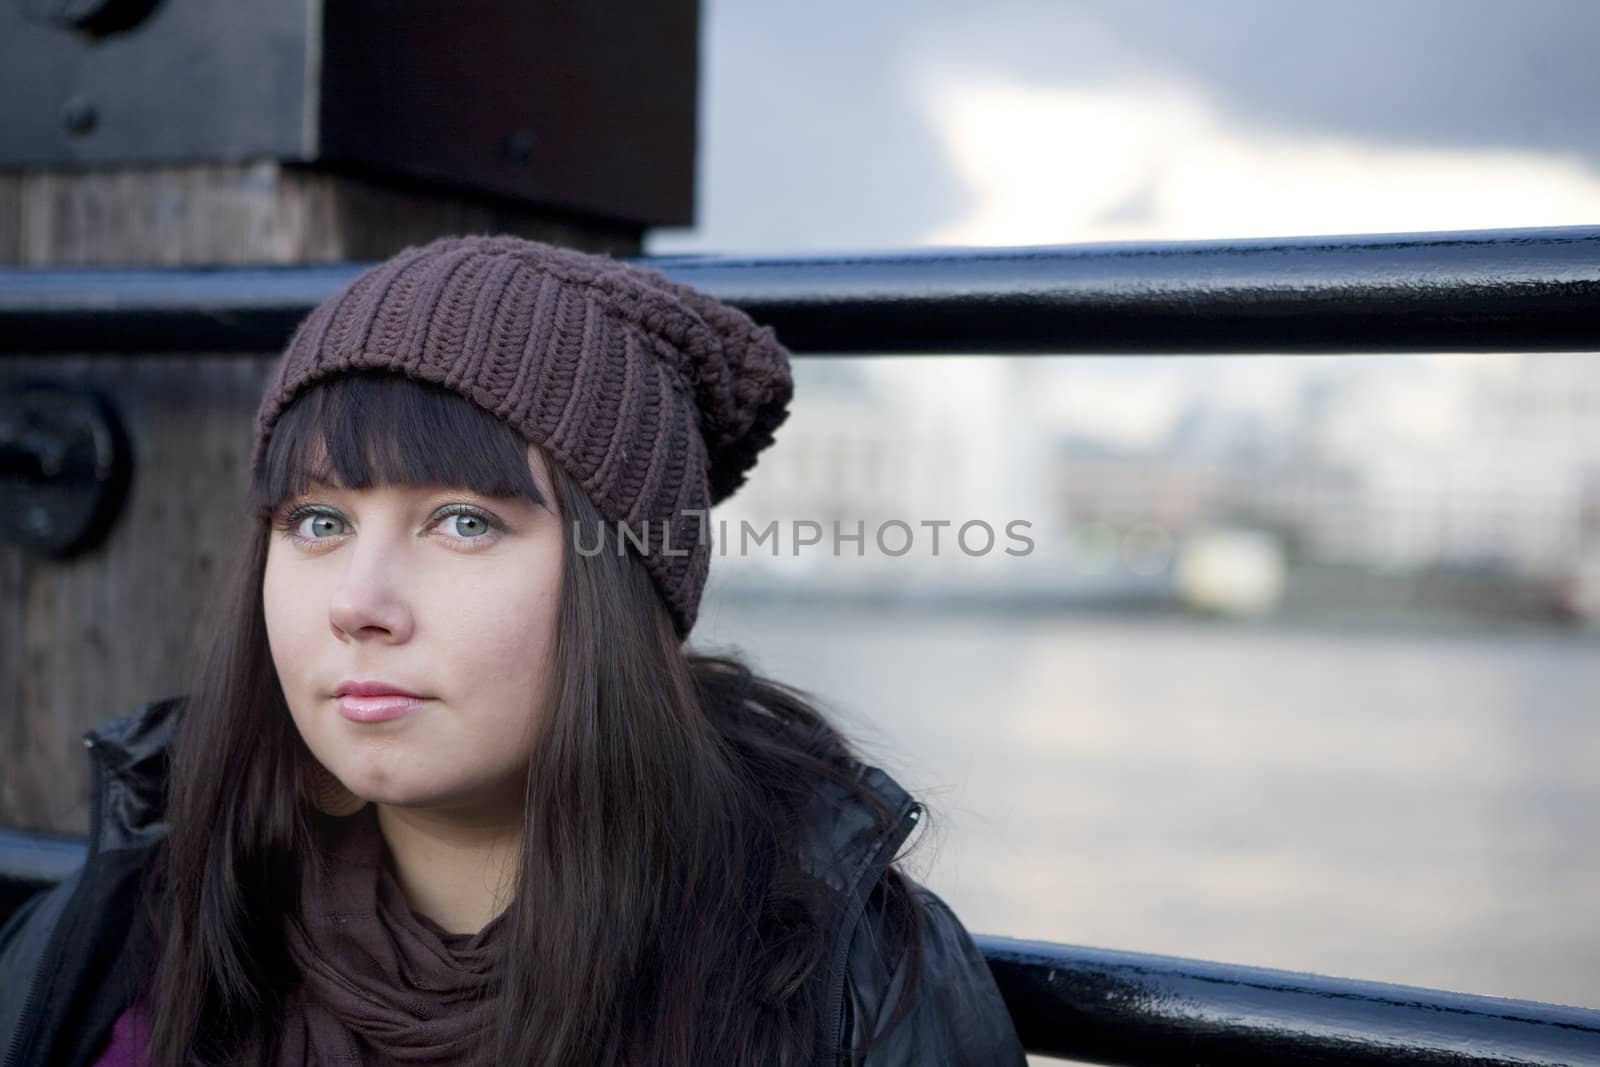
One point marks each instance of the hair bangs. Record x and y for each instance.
(367, 430)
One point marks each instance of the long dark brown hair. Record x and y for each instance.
(660, 916)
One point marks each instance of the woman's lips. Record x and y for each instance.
(377, 709)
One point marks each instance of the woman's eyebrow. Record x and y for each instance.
(312, 479)
(313, 484)
(505, 497)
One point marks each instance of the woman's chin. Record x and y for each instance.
(416, 796)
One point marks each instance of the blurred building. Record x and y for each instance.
(1470, 464)
(1457, 465)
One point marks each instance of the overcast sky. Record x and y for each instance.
(846, 125)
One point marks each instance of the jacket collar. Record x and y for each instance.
(848, 848)
(129, 757)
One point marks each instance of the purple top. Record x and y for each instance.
(130, 1039)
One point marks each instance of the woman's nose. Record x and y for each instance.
(368, 602)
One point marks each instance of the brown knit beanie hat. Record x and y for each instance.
(654, 396)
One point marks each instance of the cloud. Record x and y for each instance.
(1434, 73)
(1155, 160)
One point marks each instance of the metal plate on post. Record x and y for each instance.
(180, 80)
(65, 465)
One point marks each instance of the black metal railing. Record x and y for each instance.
(1506, 290)
(1101, 1006)
(31, 862)
(1493, 290)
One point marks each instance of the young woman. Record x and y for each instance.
(449, 787)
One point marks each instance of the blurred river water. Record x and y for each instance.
(1406, 805)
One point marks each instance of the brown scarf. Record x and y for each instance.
(380, 984)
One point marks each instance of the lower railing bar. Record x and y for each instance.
(1103, 1006)
(32, 861)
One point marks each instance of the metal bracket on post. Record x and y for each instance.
(65, 466)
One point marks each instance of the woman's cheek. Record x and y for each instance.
(290, 614)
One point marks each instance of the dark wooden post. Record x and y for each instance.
(183, 132)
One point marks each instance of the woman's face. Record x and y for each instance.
(439, 593)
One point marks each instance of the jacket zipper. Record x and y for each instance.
(27, 1020)
(841, 950)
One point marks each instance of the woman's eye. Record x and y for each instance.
(318, 525)
(468, 524)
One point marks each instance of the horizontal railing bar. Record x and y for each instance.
(32, 861)
(39, 859)
(1104, 1006)
(1491, 290)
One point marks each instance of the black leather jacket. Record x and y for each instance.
(67, 970)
